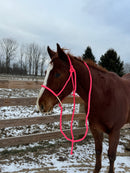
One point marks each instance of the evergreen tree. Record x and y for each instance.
(111, 61)
(88, 54)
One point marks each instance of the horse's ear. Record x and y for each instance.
(61, 54)
(50, 52)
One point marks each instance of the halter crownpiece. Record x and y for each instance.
(74, 84)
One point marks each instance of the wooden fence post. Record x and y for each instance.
(82, 110)
(81, 123)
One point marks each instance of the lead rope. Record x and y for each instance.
(74, 84)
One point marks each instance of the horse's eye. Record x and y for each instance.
(57, 75)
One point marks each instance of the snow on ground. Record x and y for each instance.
(15, 93)
(54, 155)
(59, 159)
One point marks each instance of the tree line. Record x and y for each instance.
(21, 60)
(110, 60)
(29, 59)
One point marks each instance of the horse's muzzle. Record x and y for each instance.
(44, 108)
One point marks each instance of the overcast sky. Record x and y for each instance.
(74, 24)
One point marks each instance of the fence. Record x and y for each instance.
(20, 77)
(26, 139)
(20, 84)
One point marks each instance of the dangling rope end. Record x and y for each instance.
(71, 153)
(72, 148)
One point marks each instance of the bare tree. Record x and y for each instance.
(42, 64)
(33, 53)
(28, 53)
(43, 57)
(36, 57)
(1, 65)
(22, 52)
(9, 47)
(23, 62)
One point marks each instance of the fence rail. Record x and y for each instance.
(14, 141)
(38, 120)
(21, 77)
(20, 84)
(31, 101)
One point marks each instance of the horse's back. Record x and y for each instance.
(126, 76)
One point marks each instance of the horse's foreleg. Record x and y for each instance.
(98, 137)
(113, 142)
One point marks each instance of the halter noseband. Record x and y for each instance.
(74, 84)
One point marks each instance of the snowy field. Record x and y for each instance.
(53, 155)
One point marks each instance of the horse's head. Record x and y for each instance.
(56, 76)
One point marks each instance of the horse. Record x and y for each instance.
(126, 76)
(110, 98)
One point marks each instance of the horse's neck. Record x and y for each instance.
(83, 80)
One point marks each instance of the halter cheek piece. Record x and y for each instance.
(74, 84)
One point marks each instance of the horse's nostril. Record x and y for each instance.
(42, 107)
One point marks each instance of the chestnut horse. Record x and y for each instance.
(126, 76)
(110, 98)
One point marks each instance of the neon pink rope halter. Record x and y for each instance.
(74, 84)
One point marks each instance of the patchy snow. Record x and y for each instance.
(15, 93)
(83, 160)
(11, 112)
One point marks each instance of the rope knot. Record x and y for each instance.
(72, 70)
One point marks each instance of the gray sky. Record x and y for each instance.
(74, 24)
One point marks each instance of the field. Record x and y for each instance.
(53, 155)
